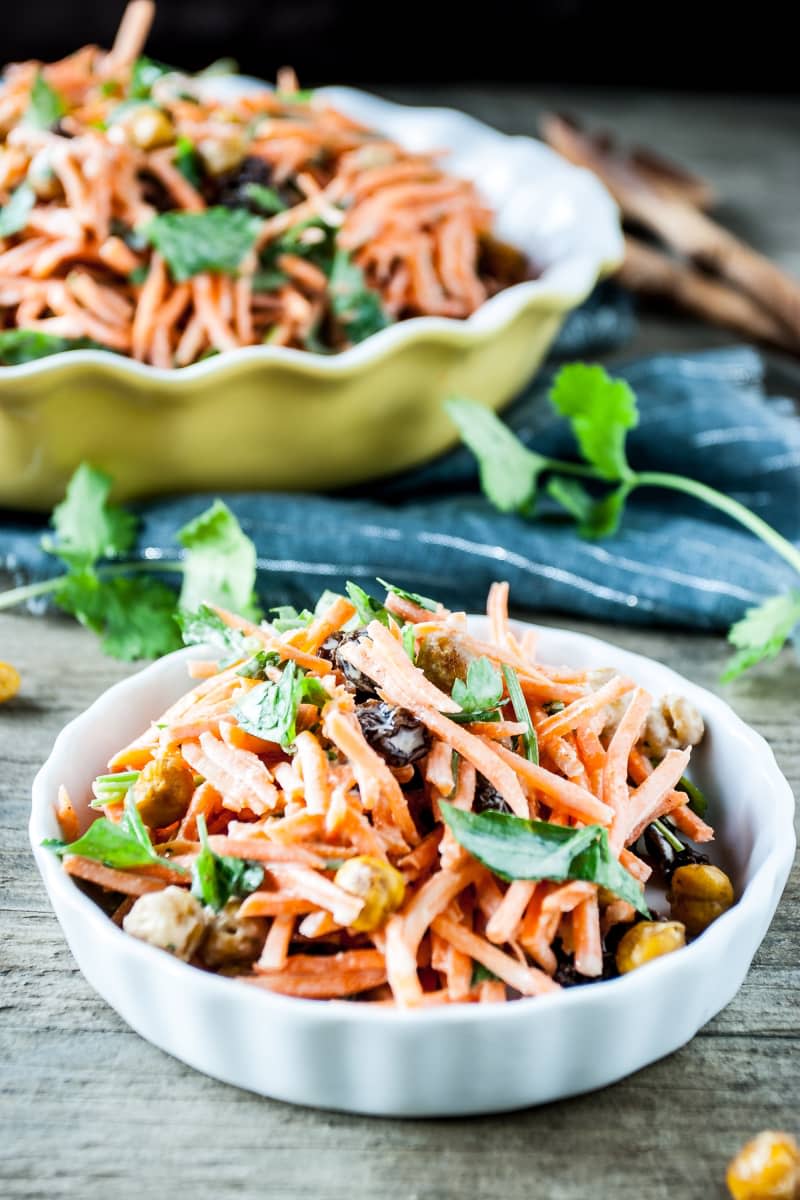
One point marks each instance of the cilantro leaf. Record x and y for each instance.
(367, 607)
(289, 618)
(146, 71)
(220, 563)
(600, 410)
(596, 517)
(356, 307)
(256, 667)
(483, 689)
(509, 471)
(517, 848)
(762, 632)
(193, 242)
(204, 627)
(26, 345)
(122, 845)
(133, 615)
(265, 199)
(14, 215)
(87, 526)
(409, 642)
(187, 160)
(413, 597)
(270, 711)
(45, 107)
(481, 974)
(218, 877)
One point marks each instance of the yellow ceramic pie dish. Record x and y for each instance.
(274, 418)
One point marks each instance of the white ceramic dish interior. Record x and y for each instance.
(559, 214)
(447, 1061)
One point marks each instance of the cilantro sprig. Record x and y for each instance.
(269, 711)
(124, 601)
(122, 845)
(601, 411)
(218, 877)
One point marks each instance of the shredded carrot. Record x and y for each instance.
(335, 832)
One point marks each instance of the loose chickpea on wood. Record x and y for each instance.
(9, 681)
(767, 1168)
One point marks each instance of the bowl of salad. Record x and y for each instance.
(393, 859)
(207, 282)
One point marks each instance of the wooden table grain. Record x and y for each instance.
(89, 1109)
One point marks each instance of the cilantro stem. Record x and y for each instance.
(668, 836)
(19, 595)
(732, 508)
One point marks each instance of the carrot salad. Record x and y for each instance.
(370, 802)
(166, 217)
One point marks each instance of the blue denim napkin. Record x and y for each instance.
(705, 415)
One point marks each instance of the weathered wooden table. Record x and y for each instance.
(91, 1110)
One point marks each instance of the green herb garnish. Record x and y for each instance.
(124, 602)
(187, 160)
(601, 411)
(220, 564)
(194, 242)
(367, 607)
(26, 345)
(516, 848)
(413, 597)
(521, 712)
(356, 307)
(123, 846)
(14, 215)
(146, 71)
(204, 627)
(218, 877)
(45, 107)
(266, 199)
(270, 710)
(482, 691)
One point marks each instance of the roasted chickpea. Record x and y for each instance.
(149, 127)
(163, 790)
(767, 1168)
(675, 723)
(699, 893)
(222, 153)
(443, 658)
(378, 883)
(171, 919)
(648, 940)
(231, 938)
(9, 681)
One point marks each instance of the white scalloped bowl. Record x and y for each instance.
(275, 418)
(453, 1060)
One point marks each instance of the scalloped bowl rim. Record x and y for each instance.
(756, 898)
(576, 273)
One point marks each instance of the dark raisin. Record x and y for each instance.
(230, 188)
(487, 797)
(663, 856)
(356, 680)
(568, 976)
(397, 735)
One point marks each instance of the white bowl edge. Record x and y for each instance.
(447, 1061)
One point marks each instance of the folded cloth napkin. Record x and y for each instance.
(675, 561)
